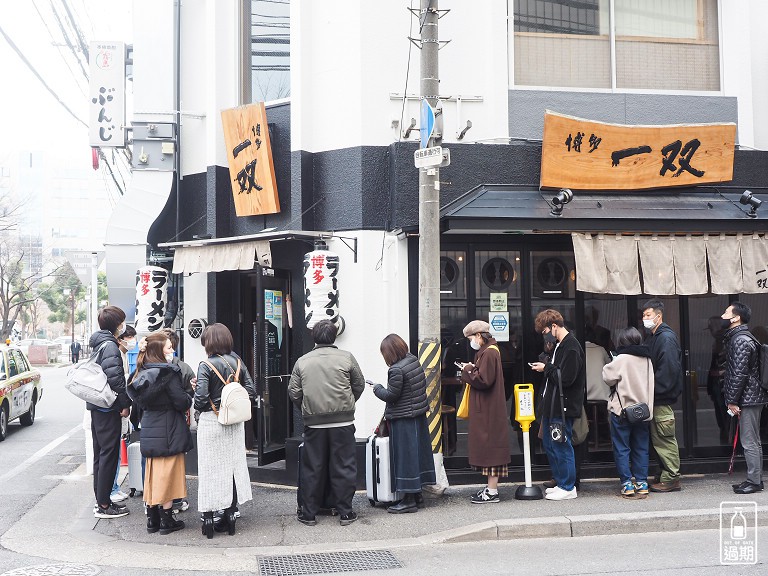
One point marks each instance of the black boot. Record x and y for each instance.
(153, 519)
(407, 504)
(226, 522)
(419, 497)
(168, 523)
(208, 524)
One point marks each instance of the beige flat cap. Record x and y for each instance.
(476, 326)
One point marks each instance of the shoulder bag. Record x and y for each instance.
(87, 381)
(635, 413)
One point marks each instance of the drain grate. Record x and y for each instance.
(298, 564)
(55, 570)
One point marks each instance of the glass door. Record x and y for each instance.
(270, 337)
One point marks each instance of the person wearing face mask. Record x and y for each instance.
(744, 395)
(489, 447)
(668, 385)
(156, 386)
(567, 364)
(106, 423)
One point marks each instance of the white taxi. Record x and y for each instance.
(21, 388)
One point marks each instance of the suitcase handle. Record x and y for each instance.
(374, 471)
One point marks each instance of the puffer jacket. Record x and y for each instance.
(741, 381)
(406, 390)
(111, 362)
(158, 390)
(325, 383)
(209, 385)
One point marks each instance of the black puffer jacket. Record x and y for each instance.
(406, 391)
(158, 390)
(741, 381)
(209, 385)
(111, 362)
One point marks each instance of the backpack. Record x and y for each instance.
(235, 405)
(87, 381)
(762, 359)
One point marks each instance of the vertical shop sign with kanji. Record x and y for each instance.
(321, 289)
(106, 100)
(249, 154)
(151, 290)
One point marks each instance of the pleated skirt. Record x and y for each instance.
(412, 462)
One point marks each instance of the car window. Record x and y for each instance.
(2, 365)
(21, 362)
(12, 368)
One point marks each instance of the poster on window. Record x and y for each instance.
(151, 298)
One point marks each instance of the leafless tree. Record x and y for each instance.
(271, 86)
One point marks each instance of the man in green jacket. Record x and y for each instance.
(325, 383)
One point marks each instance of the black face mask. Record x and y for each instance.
(549, 337)
(725, 324)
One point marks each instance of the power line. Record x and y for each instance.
(67, 40)
(34, 71)
(78, 33)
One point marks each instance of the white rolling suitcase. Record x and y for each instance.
(378, 471)
(135, 469)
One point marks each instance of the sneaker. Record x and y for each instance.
(560, 494)
(485, 497)
(641, 489)
(306, 520)
(111, 511)
(118, 506)
(181, 506)
(628, 489)
(118, 496)
(347, 519)
(552, 489)
(673, 486)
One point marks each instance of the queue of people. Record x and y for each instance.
(644, 378)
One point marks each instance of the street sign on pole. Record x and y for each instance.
(426, 157)
(427, 123)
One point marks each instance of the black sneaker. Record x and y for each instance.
(111, 511)
(305, 519)
(180, 506)
(485, 497)
(347, 519)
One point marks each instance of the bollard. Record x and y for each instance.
(524, 414)
(123, 453)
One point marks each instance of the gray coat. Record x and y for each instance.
(406, 391)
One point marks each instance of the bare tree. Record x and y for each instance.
(272, 86)
(11, 209)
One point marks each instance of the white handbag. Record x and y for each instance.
(87, 381)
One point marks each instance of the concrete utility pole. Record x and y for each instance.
(429, 244)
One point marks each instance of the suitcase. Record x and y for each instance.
(135, 469)
(327, 507)
(378, 471)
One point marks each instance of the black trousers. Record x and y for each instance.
(105, 428)
(329, 454)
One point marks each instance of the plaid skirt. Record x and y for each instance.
(496, 471)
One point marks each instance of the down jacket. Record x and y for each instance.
(741, 381)
(111, 362)
(158, 390)
(406, 390)
(209, 385)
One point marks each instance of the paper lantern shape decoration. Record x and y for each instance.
(151, 283)
(321, 289)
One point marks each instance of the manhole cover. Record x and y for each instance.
(58, 569)
(298, 564)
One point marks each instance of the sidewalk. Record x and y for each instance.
(61, 526)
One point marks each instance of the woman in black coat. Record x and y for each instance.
(156, 387)
(406, 398)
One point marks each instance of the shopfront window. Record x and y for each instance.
(659, 44)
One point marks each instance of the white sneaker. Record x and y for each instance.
(553, 489)
(118, 496)
(561, 494)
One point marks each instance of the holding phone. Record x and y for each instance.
(459, 365)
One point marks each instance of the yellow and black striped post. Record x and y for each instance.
(429, 357)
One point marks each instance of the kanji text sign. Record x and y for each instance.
(586, 155)
(249, 154)
(106, 105)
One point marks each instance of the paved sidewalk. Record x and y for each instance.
(61, 526)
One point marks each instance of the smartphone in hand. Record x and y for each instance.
(459, 365)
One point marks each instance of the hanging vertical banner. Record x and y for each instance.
(151, 284)
(106, 94)
(249, 154)
(321, 291)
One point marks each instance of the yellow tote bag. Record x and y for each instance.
(463, 411)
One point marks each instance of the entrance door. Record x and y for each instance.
(270, 337)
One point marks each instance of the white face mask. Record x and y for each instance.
(649, 323)
(169, 357)
(129, 343)
(474, 344)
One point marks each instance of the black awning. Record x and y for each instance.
(498, 209)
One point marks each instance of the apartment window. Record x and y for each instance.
(658, 44)
(270, 50)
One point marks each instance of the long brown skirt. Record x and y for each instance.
(164, 479)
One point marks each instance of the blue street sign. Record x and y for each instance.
(499, 322)
(427, 124)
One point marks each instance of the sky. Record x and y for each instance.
(30, 117)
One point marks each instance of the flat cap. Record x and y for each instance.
(476, 326)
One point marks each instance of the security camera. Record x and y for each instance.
(561, 199)
(747, 198)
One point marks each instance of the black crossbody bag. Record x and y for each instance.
(635, 413)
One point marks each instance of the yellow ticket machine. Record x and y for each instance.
(525, 414)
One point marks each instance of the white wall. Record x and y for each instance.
(341, 77)
(373, 300)
(758, 10)
(737, 64)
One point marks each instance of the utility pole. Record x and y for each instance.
(429, 244)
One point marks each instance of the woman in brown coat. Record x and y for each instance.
(489, 448)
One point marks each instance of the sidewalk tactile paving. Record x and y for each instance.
(324, 563)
